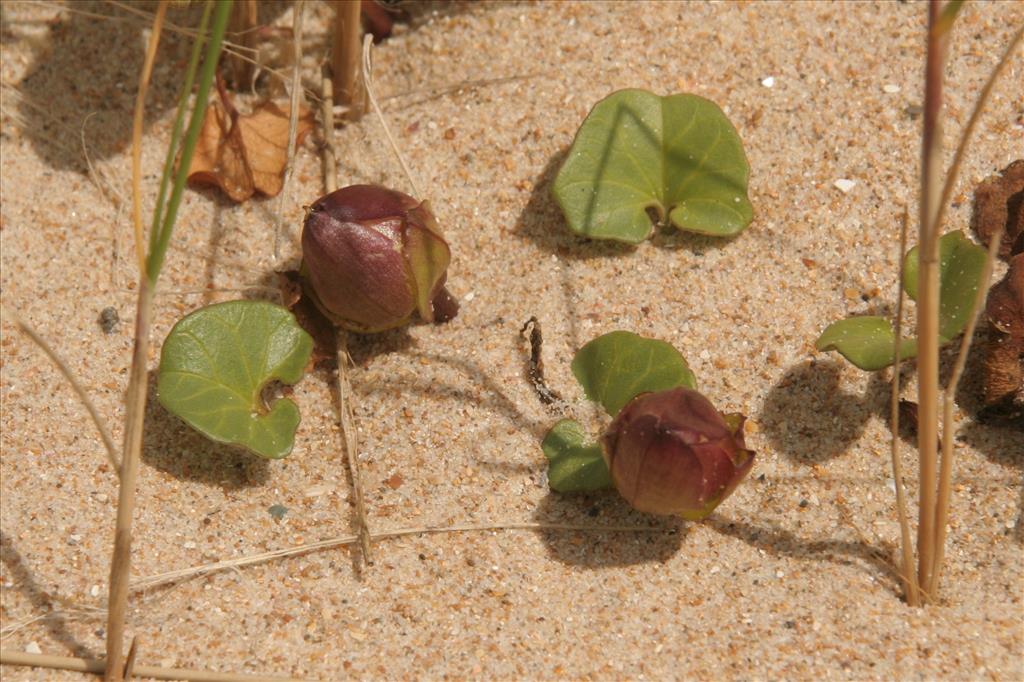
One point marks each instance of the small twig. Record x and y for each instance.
(196, 571)
(348, 434)
(368, 83)
(96, 666)
(79, 390)
(908, 574)
(330, 164)
(129, 664)
(536, 366)
(293, 123)
(948, 429)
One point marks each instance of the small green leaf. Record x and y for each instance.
(217, 360)
(865, 341)
(575, 464)
(961, 262)
(678, 155)
(616, 367)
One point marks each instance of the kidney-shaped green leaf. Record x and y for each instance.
(575, 463)
(678, 155)
(217, 360)
(616, 367)
(961, 262)
(867, 341)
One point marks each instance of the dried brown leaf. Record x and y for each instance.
(997, 202)
(245, 154)
(1004, 353)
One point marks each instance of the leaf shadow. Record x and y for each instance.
(89, 65)
(19, 574)
(808, 417)
(778, 541)
(173, 447)
(595, 549)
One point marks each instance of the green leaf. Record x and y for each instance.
(217, 360)
(616, 367)
(575, 464)
(867, 341)
(961, 263)
(678, 155)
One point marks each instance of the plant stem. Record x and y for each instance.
(293, 120)
(348, 86)
(894, 419)
(946, 470)
(348, 434)
(244, 19)
(928, 299)
(140, 110)
(330, 164)
(120, 564)
(120, 567)
(79, 390)
(96, 666)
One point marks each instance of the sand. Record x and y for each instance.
(791, 578)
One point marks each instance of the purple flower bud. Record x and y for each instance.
(373, 256)
(672, 452)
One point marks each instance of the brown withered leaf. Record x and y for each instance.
(998, 202)
(245, 154)
(1004, 352)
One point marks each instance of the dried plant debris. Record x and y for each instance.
(245, 154)
(536, 367)
(309, 318)
(997, 202)
(1004, 353)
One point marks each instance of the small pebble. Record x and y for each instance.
(890, 88)
(33, 648)
(779, 574)
(94, 591)
(844, 185)
(277, 511)
(109, 320)
(768, 82)
(189, 545)
(469, 297)
(74, 539)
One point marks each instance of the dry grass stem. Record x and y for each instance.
(368, 81)
(348, 434)
(965, 137)
(349, 87)
(928, 297)
(196, 571)
(245, 17)
(97, 666)
(908, 574)
(293, 121)
(79, 390)
(948, 428)
(137, 121)
(120, 564)
(330, 163)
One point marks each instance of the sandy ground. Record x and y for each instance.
(791, 578)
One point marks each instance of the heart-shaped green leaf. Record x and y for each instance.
(217, 360)
(616, 367)
(867, 341)
(575, 464)
(678, 155)
(961, 263)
